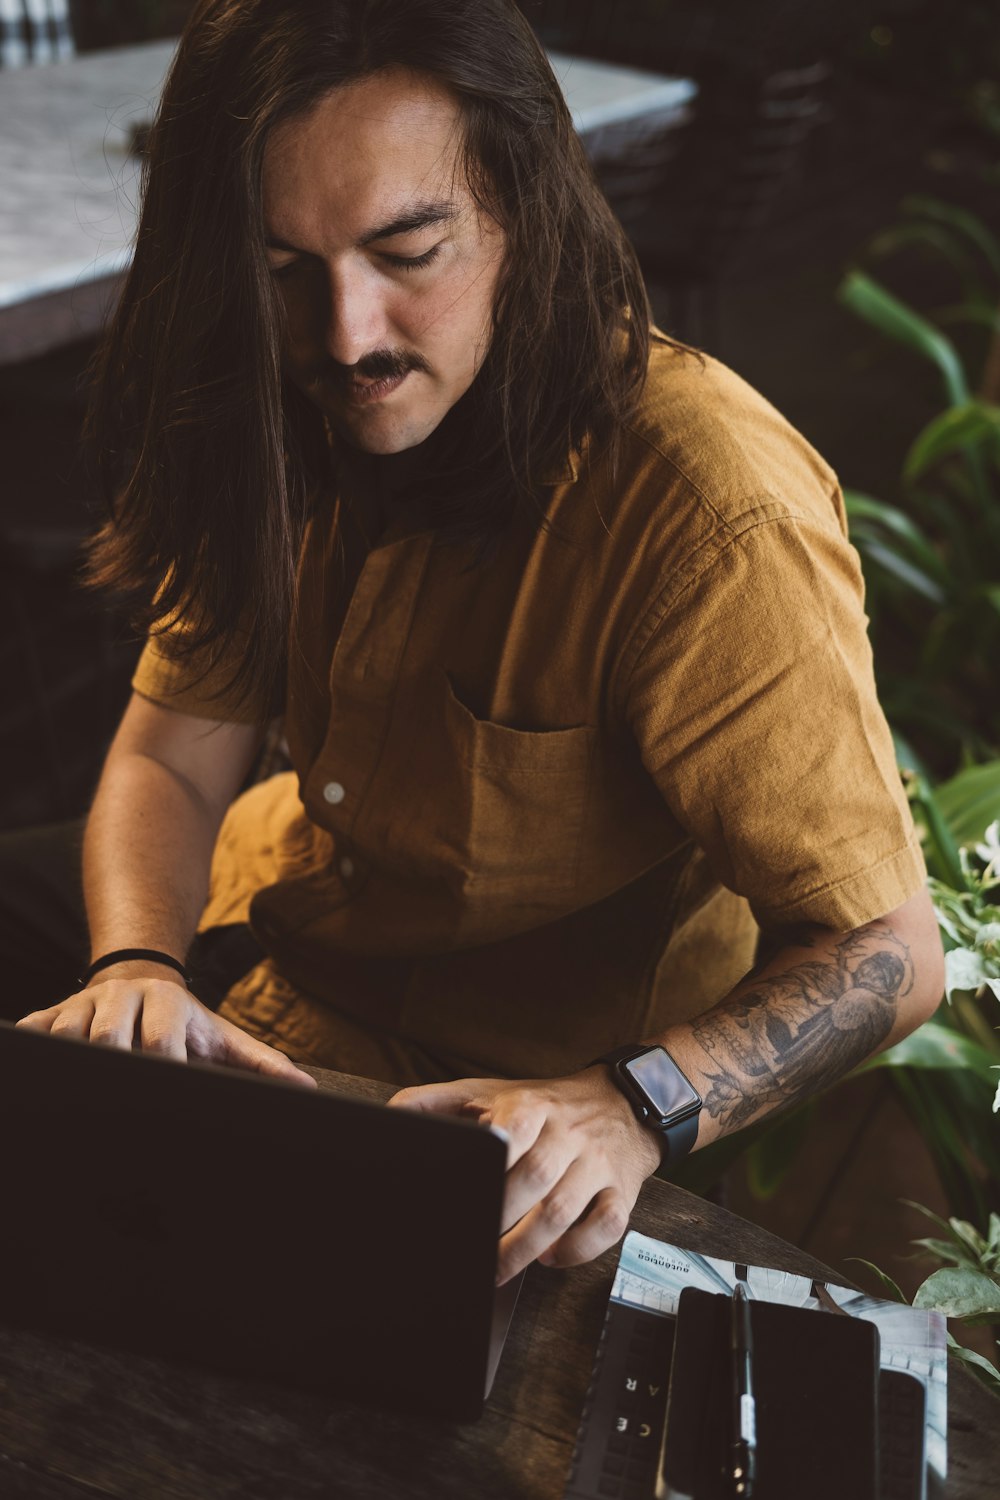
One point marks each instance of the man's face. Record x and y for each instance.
(387, 269)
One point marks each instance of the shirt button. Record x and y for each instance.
(334, 792)
(347, 867)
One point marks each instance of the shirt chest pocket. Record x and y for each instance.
(496, 813)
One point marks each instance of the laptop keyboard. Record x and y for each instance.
(618, 1442)
(902, 1420)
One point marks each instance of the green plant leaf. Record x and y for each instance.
(865, 508)
(870, 519)
(968, 1015)
(907, 758)
(967, 970)
(953, 916)
(967, 1096)
(933, 1045)
(886, 1282)
(960, 1292)
(940, 846)
(977, 1364)
(961, 427)
(948, 521)
(871, 301)
(993, 1234)
(928, 1213)
(988, 848)
(944, 1122)
(984, 315)
(970, 801)
(960, 219)
(947, 1251)
(898, 567)
(968, 1235)
(947, 246)
(934, 718)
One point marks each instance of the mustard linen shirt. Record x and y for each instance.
(534, 803)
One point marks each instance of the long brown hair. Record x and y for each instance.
(204, 456)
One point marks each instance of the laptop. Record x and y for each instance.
(208, 1215)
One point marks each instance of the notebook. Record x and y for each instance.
(815, 1384)
(208, 1215)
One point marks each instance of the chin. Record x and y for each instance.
(382, 438)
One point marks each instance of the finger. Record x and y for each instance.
(243, 1051)
(601, 1226)
(521, 1114)
(533, 1175)
(117, 1006)
(516, 1114)
(164, 1022)
(74, 1016)
(458, 1096)
(546, 1222)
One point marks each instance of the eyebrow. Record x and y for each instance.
(420, 216)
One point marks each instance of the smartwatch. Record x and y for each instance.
(660, 1095)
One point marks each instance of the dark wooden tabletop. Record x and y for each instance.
(80, 1423)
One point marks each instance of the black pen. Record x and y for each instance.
(743, 1467)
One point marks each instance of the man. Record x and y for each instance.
(561, 618)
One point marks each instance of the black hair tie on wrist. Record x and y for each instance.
(122, 955)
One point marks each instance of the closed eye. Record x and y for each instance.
(400, 262)
(411, 262)
(285, 269)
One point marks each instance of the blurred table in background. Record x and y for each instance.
(70, 184)
(70, 187)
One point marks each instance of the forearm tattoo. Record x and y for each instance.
(791, 1034)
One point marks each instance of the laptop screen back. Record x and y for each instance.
(250, 1226)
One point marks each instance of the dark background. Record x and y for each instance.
(744, 236)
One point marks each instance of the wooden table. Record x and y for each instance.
(70, 187)
(78, 1423)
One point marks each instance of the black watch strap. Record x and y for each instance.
(677, 1137)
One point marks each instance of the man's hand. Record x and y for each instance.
(161, 1016)
(577, 1158)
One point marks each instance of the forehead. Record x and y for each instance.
(361, 156)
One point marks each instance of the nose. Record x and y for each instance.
(356, 320)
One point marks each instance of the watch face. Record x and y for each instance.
(661, 1079)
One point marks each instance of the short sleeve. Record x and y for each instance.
(188, 684)
(752, 698)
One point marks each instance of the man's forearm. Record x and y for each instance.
(146, 858)
(166, 784)
(818, 1008)
(148, 848)
(577, 1155)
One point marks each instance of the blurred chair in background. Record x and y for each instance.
(695, 199)
(742, 154)
(64, 660)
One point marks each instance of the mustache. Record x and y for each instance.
(380, 364)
